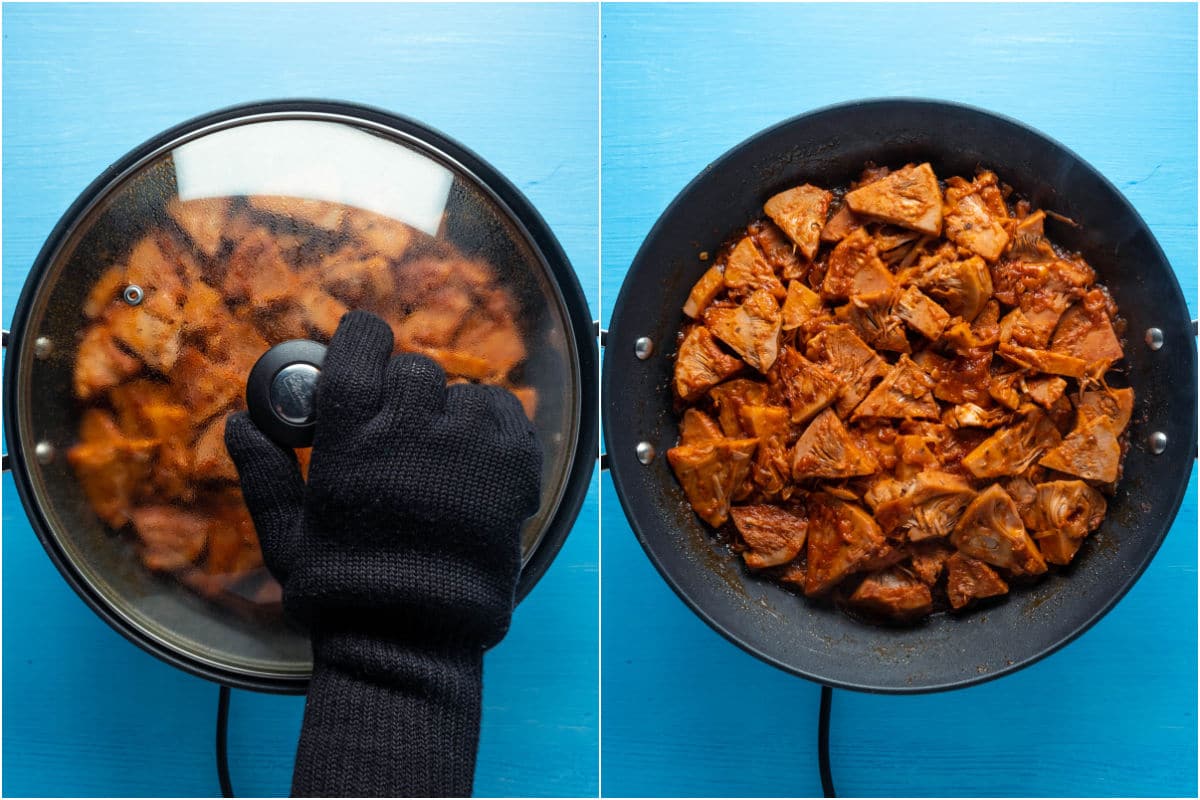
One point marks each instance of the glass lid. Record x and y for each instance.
(168, 287)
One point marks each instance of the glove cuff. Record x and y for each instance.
(422, 595)
(386, 720)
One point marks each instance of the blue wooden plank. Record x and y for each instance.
(86, 713)
(687, 714)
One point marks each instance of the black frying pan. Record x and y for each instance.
(828, 148)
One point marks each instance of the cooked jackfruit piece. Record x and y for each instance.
(388, 237)
(710, 473)
(847, 357)
(970, 222)
(1114, 405)
(908, 197)
(1057, 547)
(1015, 327)
(149, 410)
(356, 279)
(1028, 242)
(801, 305)
(1086, 332)
(154, 340)
(969, 415)
(926, 507)
(826, 450)
(1045, 361)
(800, 213)
(1011, 450)
(203, 220)
(904, 393)
(856, 269)
(731, 397)
(100, 363)
(961, 287)
(105, 292)
(963, 337)
(970, 579)
(772, 468)
(156, 264)
(1004, 390)
(921, 313)
(698, 427)
(1072, 507)
(929, 561)
(494, 339)
(747, 270)
(774, 535)
(257, 271)
(1046, 390)
(874, 319)
(706, 289)
(893, 593)
(841, 538)
(751, 329)
(1090, 451)
(206, 387)
(780, 251)
(212, 459)
(990, 530)
(112, 468)
(808, 387)
(701, 364)
(841, 224)
(171, 537)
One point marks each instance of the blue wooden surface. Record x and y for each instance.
(685, 712)
(84, 711)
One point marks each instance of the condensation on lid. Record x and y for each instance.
(247, 234)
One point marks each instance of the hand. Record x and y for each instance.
(410, 522)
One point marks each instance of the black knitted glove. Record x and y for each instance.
(400, 556)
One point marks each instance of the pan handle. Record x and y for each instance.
(4, 457)
(602, 335)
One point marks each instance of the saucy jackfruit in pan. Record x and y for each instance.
(897, 396)
(221, 281)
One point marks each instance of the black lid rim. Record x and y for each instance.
(511, 199)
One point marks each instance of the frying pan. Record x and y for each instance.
(125, 202)
(828, 148)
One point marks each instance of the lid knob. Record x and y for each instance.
(281, 392)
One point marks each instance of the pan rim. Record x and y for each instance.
(623, 465)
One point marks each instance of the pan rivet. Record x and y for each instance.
(133, 294)
(645, 452)
(43, 452)
(1154, 338)
(644, 348)
(1158, 442)
(42, 347)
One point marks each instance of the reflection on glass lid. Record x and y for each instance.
(190, 267)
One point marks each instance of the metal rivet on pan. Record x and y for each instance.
(1154, 338)
(43, 452)
(644, 348)
(645, 452)
(1158, 442)
(133, 294)
(42, 347)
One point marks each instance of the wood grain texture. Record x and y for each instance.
(685, 713)
(85, 712)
